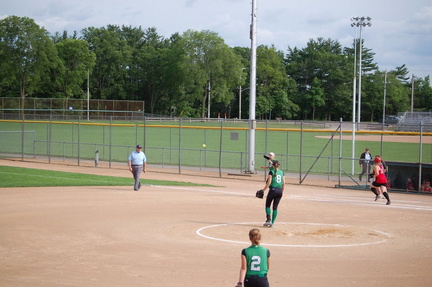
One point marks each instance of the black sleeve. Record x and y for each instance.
(243, 252)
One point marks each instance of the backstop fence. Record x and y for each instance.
(328, 150)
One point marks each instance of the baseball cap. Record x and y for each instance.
(272, 154)
(139, 146)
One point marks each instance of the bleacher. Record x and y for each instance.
(415, 121)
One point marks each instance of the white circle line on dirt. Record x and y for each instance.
(199, 232)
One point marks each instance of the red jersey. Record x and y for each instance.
(380, 177)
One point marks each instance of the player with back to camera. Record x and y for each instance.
(276, 183)
(255, 263)
(378, 186)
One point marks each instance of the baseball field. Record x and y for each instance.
(193, 235)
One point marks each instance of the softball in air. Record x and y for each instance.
(204, 145)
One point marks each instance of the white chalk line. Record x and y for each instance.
(338, 199)
(199, 232)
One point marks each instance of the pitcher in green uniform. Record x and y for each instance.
(276, 181)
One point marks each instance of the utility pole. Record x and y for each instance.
(252, 100)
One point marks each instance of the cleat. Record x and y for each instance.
(267, 223)
(377, 197)
(388, 202)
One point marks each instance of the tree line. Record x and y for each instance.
(179, 75)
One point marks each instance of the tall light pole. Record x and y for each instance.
(252, 98)
(88, 95)
(354, 103)
(208, 103)
(412, 93)
(385, 94)
(240, 92)
(360, 22)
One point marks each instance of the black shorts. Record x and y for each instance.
(376, 184)
(256, 281)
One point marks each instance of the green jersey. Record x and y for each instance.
(256, 260)
(277, 178)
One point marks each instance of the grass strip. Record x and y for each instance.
(29, 177)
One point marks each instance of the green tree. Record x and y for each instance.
(396, 99)
(424, 93)
(27, 55)
(77, 61)
(396, 91)
(174, 99)
(153, 59)
(112, 59)
(326, 61)
(272, 85)
(214, 70)
(402, 74)
(315, 96)
(134, 38)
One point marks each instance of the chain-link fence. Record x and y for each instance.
(70, 109)
(328, 150)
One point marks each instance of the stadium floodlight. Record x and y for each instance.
(412, 93)
(357, 22)
(360, 22)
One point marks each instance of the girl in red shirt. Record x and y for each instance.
(379, 185)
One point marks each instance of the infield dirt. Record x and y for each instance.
(193, 236)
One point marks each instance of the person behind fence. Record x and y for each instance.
(365, 161)
(409, 184)
(379, 185)
(255, 263)
(426, 187)
(137, 162)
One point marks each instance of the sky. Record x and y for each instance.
(401, 31)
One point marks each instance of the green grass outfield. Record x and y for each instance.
(28, 177)
(163, 140)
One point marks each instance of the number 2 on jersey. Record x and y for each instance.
(255, 263)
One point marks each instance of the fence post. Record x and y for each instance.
(301, 152)
(340, 152)
(420, 156)
(220, 149)
(179, 152)
(49, 140)
(79, 139)
(22, 139)
(110, 142)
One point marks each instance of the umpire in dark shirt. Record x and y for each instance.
(365, 160)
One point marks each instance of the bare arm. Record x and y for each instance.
(376, 171)
(268, 263)
(242, 270)
(145, 167)
(130, 165)
(268, 181)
